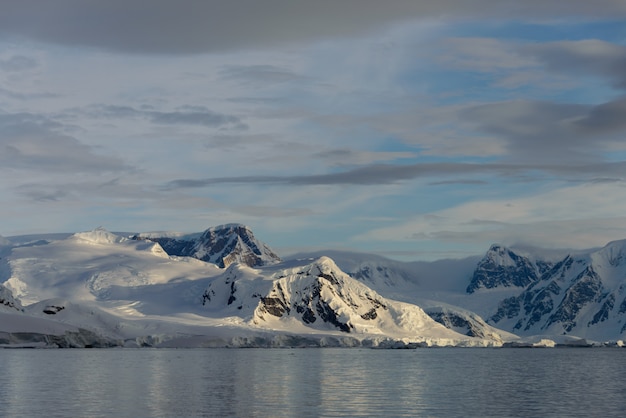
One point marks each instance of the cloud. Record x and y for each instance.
(347, 157)
(458, 181)
(18, 63)
(543, 130)
(605, 118)
(514, 63)
(272, 212)
(547, 131)
(34, 142)
(558, 218)
(485, 55)
(26, 96)
(261, 75)
(116, 189)
(186, 115)
(380, 174)
(191, 26)
(587, 57)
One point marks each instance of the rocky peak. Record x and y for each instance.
(233, 243)
(222, 245)
(321, 294)
(501, 266)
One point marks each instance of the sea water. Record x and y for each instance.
(327, 382)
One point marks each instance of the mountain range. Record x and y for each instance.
(224, 287)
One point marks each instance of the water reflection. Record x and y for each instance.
(361, 382)
(312, 382)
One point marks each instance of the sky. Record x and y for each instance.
(414, 130)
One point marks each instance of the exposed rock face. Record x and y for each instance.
(222, 245)
(463, 322)
(318, 296)
(7, 301)
(579, 296)
(321, 292)
(52, 309)
(503, 267)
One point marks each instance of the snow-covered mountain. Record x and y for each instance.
(321, 297)
(221, 245)
(425, 284)
(582, 295)
(503, 267)
(99, 288)
(524, 292)
(103, 289)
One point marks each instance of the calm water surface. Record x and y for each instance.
(313, 382)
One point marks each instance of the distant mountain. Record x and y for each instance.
(502, 267)
(583, 295)
(221, 245)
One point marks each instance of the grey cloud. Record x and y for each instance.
(589, 57)
(335, 153)
(605, 118)
(381, 174)
(347, 157)
(18, 63)
(261, 74)
(273, 212)
(192, 26)
(239, 142)
(34, 142)
(26, 96)
(515, 63)
(576, 234)
(206, 118)
(186, 115)
(485, 55)
(458, 181)
(90, 188)
(258, 100)
(44, 195)
(542, 130)
(547, 131)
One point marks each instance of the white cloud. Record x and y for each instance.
(581, 216)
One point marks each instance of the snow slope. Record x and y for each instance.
(99, 288)
(132, 292)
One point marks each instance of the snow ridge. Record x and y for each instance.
(99, 236)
